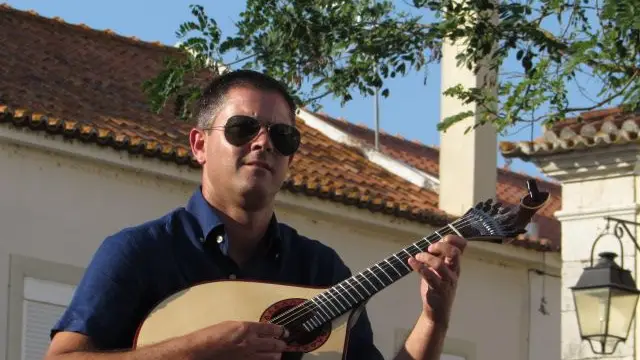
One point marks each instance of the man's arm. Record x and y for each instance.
(424, 342)
(439, 268)
(230, 340)
(74, 346)
(104, 308)
(109, 303)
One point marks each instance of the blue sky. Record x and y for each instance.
(411, 111)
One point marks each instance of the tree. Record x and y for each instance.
(337, 47)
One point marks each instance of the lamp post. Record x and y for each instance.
(606, 296)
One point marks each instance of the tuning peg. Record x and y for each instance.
(505, 210)
(495, 208)
(533, 189)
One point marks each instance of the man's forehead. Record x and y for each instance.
(266, 109)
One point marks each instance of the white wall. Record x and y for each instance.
(585, 204)
(59, 209)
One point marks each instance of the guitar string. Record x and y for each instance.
(309, 304)
(305, 307)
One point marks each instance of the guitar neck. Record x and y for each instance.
(360, 287)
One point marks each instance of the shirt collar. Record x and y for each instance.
(209, 220)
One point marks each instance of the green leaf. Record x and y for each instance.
(340, 48)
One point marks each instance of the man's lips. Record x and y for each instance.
(260, 164)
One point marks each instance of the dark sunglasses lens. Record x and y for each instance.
(239, 130)
(285, 138)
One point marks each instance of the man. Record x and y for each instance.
(245, 140)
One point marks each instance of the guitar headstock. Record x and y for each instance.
(493, 221)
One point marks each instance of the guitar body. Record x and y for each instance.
(210, 303)
(319, 325)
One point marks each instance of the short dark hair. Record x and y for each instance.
(213, 95)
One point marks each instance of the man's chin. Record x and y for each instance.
(256, 195)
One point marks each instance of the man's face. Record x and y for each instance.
(252, 172)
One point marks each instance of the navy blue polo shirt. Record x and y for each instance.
(137, 267)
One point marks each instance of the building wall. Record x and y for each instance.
(55, 211)
(585, 203)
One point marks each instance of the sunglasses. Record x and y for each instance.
(241, 129)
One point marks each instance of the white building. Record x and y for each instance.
(82, 157)
(597, 162)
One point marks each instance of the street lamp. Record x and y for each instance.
(606, 297)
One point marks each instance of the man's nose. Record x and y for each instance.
(262, 140)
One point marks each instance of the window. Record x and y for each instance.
(39, 293)
(454, 349)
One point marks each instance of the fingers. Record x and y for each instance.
(445, 249)
(267, 329)
(266, 342)
(459, 242)
(428, 273)
(268, 345)
(433, 265)
(450, 250)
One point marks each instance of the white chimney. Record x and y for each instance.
(468, 162)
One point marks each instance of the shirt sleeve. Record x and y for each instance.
(107, 297)
(361, 345)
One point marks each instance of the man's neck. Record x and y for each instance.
(246, 240)
(244, 229)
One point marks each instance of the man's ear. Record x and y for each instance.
(197, 143)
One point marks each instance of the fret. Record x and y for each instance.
(359, 283)
(337, 300)
(455, 230)
(416, 246)
(375, 289)
(348, 303)
(328, 301)
(321, 309)
(399, 265)
(357, 289)
(393, 267)
(402, 262)
(382, 284)
(349, 293)
(384, 272)
(314, 322)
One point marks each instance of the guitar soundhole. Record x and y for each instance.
(299, 340)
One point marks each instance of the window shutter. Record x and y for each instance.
(42, 305)
(38, 318)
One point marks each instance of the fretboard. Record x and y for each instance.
(360, 287)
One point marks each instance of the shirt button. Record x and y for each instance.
(219, 239)
(232, 276)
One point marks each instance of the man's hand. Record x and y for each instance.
(229, 340)
(240, 340)
(439, 267)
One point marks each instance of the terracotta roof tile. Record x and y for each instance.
(509, 187)
(594, 129)
(86, 84)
